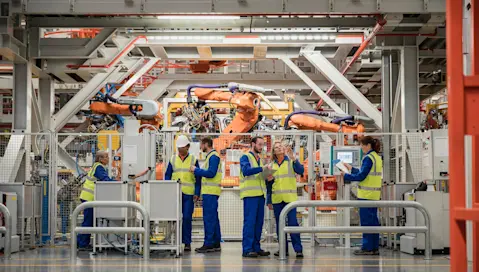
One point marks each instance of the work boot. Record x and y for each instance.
(205, 249)
(299, 255)
(363, 252)
(250, 255)
(217, 247)
(86, 248)
(187, 247)
(277, 253)
(263, 253)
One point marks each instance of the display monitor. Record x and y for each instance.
(345, 156)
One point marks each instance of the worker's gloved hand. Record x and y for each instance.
(270, 207)
(270, 178)
(192, 169)
(349, 166)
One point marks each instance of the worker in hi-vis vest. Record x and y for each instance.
(98, 172)
(282, 190)
(369, 188)
(179, 169)
(252, 192)
(211, 176)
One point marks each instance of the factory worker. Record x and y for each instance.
(98, 172)
(282, 190)
(252, 192)
(179, 169)
(211, 175)
(369, 188)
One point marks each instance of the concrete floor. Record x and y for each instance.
(229, 259)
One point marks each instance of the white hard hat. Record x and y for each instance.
(182, 141)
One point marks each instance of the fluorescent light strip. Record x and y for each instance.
(294, 37)
(178, 17)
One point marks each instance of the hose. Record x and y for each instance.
(188, 90)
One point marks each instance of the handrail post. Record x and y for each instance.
(7, 250)
(110, 204)
(367, 204)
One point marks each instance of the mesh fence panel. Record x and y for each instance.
(75, 156)
(25, 169)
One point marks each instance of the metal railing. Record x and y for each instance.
(145, 230)
(364, 229)
(7, 230)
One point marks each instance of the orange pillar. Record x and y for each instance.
(463, 95)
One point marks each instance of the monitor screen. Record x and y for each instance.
(345, 156)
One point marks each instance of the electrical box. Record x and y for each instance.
(115, 191)
(435, 149)
(348, 154)
(437, 204)
(162, 199)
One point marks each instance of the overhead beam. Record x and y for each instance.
(143, 70)
(312, 85)
(257, 24)
(259, 52)
(86, 93)
(73, 48)
(344, 85)
(205, 52)
(156, 89)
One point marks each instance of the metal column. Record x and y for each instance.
(22, 114)
(410, 88)
(46, 102)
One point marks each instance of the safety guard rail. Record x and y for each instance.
(364, 229)
(7, 250)
(145, 230)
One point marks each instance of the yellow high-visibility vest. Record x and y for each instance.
(253, 185)
(370, 188)
(88, 188)
(284, 186)
(212, 186)
(181, 172)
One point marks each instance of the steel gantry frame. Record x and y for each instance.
(343, 84)
(463, 95)
(273, 7)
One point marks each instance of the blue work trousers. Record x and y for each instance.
(369, 217)
(292, 221)
(188, 205)
(83, 240)
(253, 218)
(211, 220)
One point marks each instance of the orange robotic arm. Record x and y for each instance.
(247, 112)
(305, 122)
(113, 108)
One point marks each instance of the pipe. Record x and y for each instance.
(188, 90)
(367, 229)
(113, 62)
(110, 204)
(7, 230)
(379, 26)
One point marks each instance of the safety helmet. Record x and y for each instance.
(182, 141)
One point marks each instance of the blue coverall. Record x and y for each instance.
(211, 220)
(83, 240)
(253, 211)
(367, 216)
(188, 204)
(277, 208)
